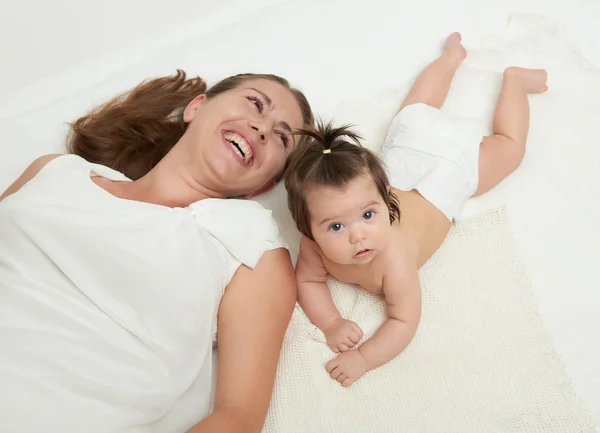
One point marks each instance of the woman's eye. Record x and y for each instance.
(284, 139)
(336, 227)
(257, 102)
(368, 215)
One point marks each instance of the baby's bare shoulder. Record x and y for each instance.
(310, 266)
(398, 267)
(401, 251)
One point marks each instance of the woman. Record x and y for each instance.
(115, 258)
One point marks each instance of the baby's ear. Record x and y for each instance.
(266, 188)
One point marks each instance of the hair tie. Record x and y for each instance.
(326, 150)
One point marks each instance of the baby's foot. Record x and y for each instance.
(532, 80)
(454, 48)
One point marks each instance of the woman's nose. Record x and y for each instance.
(261, 133)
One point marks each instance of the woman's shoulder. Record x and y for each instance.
(244, 227)
(41, 162)
(30, 172)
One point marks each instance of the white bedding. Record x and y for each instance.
(556, 185)
(480, 361)
(343, 52)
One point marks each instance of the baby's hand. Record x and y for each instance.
(347, 367)
(342, 335)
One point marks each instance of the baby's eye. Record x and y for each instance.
(336, 227)
(368, 214)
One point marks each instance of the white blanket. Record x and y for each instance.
(481, 360)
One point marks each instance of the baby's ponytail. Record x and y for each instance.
(331, 157)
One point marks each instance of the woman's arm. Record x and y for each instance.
(28, 174)
(253, 317)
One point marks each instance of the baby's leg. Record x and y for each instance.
(501, 153)
(432, 85)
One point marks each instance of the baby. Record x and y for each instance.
(363, 225)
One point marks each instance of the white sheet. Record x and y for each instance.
(339, 51)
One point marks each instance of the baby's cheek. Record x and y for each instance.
(330, 249)
(339, 253)
(383, 234)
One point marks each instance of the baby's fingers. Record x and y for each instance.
(331, 365)
(334, 347)
(336, 374)
(347, 382)
(357, 330)
(350, 343)
(355, 337)
(345, 347)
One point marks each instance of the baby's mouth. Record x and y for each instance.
(362, 253)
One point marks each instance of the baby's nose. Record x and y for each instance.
(357, 236)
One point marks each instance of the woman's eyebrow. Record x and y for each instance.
(269, 102)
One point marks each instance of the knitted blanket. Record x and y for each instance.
(481, 360)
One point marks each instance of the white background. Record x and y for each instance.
(334, 50)
(42, 39)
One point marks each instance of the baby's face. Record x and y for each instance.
(350, 224)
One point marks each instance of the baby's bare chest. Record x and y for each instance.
(369, 277)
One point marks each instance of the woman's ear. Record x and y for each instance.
(192, 108)
(266, 188)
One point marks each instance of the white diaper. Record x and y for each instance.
(434, 153)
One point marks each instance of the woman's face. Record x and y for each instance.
(237, 142)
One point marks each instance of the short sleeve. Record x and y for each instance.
(245, 228)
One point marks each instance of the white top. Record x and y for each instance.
(107, 305)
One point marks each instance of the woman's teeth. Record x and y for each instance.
(239, 145)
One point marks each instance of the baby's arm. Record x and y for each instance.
(403, 297)
(315, 299)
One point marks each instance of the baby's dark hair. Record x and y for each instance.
(332, 157)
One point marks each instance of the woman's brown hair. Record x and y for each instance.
(332, 157)
(135, 130)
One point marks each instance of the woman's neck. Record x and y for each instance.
(169, 184)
